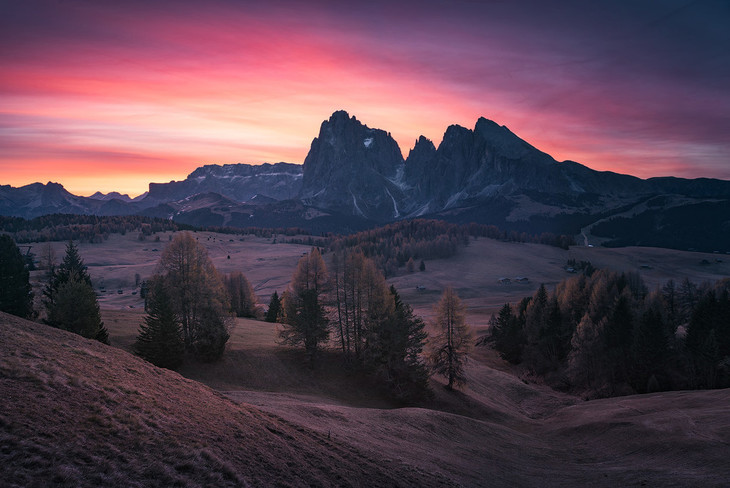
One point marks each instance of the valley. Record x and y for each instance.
(502, 429)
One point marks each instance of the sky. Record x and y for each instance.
(107, 95)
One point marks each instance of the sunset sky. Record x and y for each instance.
(111, 95)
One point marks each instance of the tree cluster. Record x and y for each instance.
(186, 303)
(374, 330)
(241, 296)
(395, 245)
(606, 334)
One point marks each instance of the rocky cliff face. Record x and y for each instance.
(355, 176)
(487, 174)
(354, 169)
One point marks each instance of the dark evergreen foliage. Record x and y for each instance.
(16, 296)
(273, 314)
(76, 310)
(605, 334)
(72, 265)
(160, 337)
(306, 322)
(395, 352)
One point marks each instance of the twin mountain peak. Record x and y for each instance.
(355, 173)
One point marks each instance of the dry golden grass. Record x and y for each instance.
(326, 426)
(498, 431)
(77, 413)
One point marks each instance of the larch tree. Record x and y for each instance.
(160, 336)
(304, 321)
(449, 349)
(361, 301)
(16, 296)
(197, 294)
(241, 295)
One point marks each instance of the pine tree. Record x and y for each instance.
(649, 350)
(450, 347)
(400, 341)
(507, 335)
(72, 265)
(160, 338)
(76, 310)
(16, 296)
(273, 314)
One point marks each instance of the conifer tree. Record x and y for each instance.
(397, 342)
(76, 310)
(72, 264)
(70, 300)
(16, 296)
(452, 343)
(507, 335)
(160, 337)
(273, 314)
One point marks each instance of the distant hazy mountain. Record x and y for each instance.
(239, 182)
(355, 176)
(110, 196)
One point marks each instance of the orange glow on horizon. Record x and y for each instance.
(111, 97)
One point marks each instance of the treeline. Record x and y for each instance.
(265, 232)
(393, 245)
(82, 228)
(605, 334)
(94, 228)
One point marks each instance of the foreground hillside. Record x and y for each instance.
(78, 413)
(499, 431)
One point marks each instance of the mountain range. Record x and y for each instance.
(355, 177)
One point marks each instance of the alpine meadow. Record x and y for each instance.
(282, 244)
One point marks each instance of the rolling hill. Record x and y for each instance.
(78, 413)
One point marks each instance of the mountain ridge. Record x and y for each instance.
(486, 174)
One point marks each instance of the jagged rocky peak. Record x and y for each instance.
(419, 157)
(349, 166)
(500, 139)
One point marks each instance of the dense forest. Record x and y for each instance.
(394, 245)
(675, 227)
(82, 228)
(605, 334)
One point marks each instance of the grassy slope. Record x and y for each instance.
(77, 413)
(498, 431)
